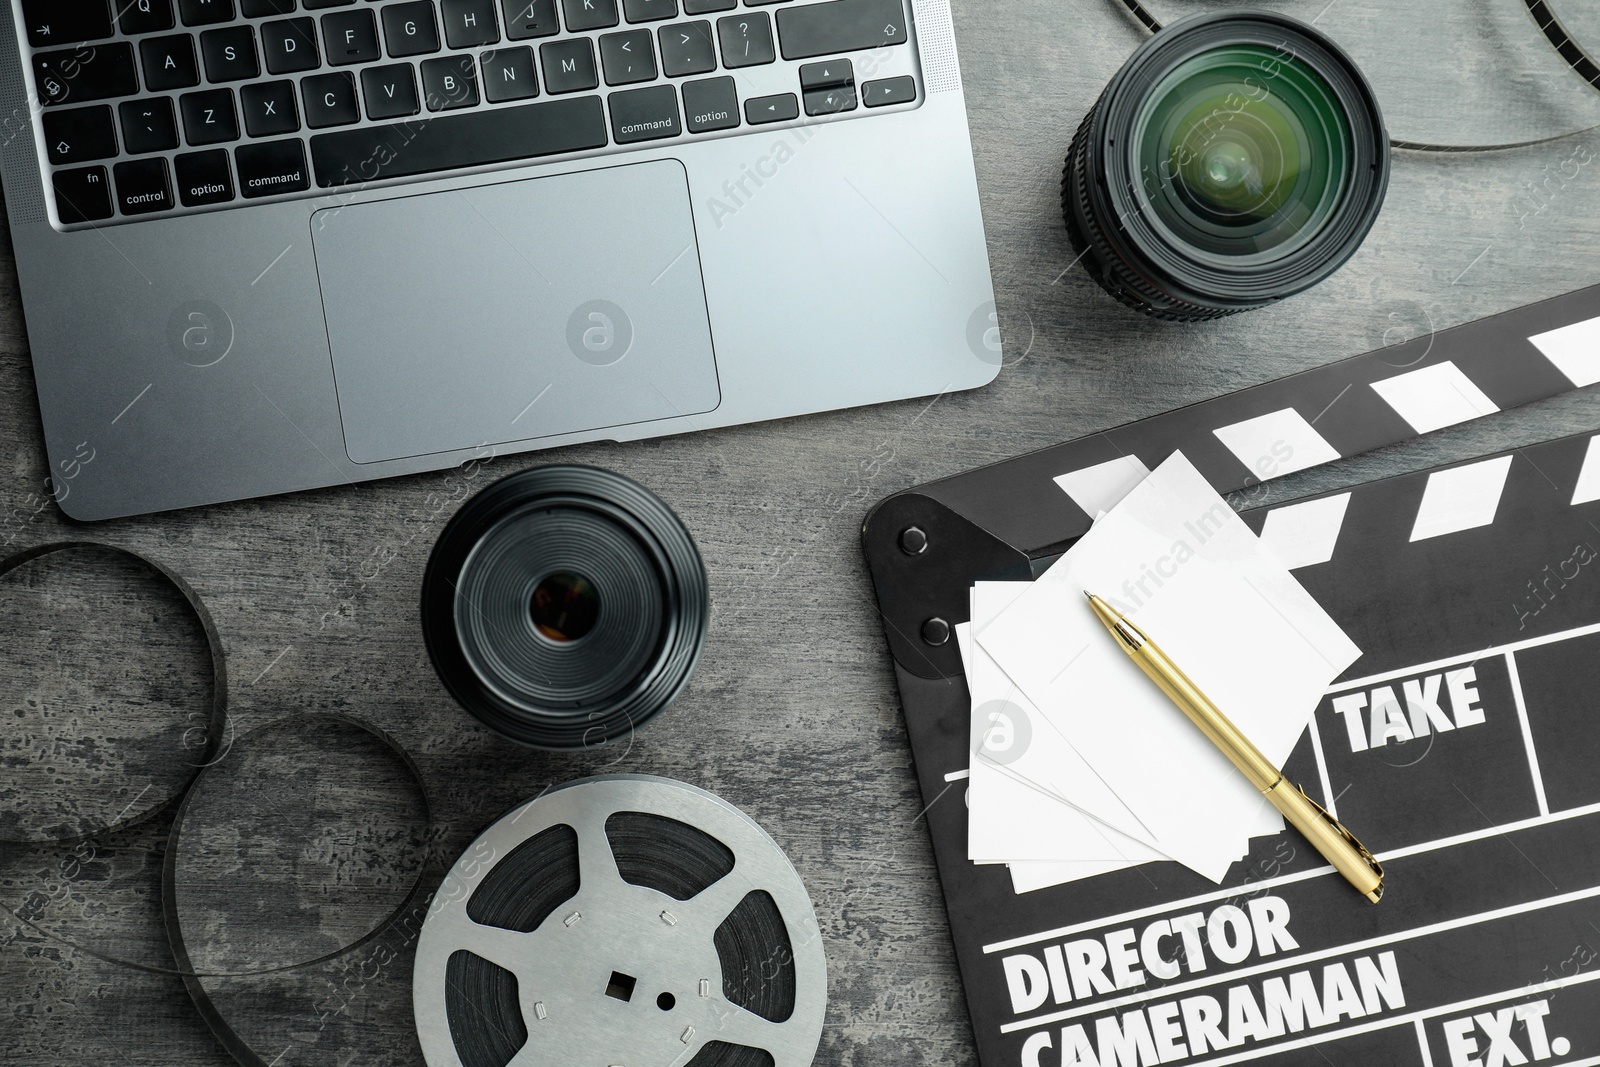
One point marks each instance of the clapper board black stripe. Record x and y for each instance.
(1327, 413)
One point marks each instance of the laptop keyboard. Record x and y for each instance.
(160, 107)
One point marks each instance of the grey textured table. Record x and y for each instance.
(309, 833)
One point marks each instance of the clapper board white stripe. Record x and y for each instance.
(1098, 488)
(1575, 350)
(1432, 398)
(1588, 487)
(1305, 534)
(1461, 498)
(1277, 443)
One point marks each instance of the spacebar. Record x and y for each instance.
(430, 144)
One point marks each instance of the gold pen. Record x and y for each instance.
(1326, 834)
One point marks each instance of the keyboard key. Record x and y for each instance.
(508, 75)
(142, 186)
(230, 54)
(317, 5)
(710, 104)
(148, 125)
(627, 57)
(79, 135)
(827, 75)
(290, 45)
(468, 23)
(144, 16)
(83, 195)
(746, 40)
(706, 7)
(531, 18)
(203, 178)
(350, 37)
(763, 109)
(205, 12)
(330, 100)
(449, 83)
(79, 75)
(687, 49)
(391, 91)
(269, 109)
(590, 14)
(649, 10)
(57, 22)
(272, 167)
(258, 9)
(568, 65)
(889, 91)
(169, 63)
(645, 114)
(830, 101)
(410, 29)
(208, 117)
(840, 26)
(370, 153)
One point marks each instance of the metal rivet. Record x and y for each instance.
(936, 631)
(540, 1010)
(688, 1035)
(913, 541)
(669, 918)
(572, 920)
(705, 987)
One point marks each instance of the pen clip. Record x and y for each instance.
(1377, 868)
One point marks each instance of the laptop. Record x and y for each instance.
(273, 245)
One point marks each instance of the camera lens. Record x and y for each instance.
(1234, 160)
(564, 606)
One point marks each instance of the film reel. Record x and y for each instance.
(621, 921)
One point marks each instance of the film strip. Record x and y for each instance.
(621, 920)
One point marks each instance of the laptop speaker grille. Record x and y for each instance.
(24, 189)
(936, 37)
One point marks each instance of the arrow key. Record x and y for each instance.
(58, 22)
(79, 135)
(779, 108)
(827, 75)
(831, 101)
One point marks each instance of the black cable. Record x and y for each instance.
(1570, 50)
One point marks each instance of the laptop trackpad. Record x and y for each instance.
(515, 311)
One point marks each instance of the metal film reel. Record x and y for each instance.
(621, 921)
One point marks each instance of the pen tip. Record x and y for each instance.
(1090, 595)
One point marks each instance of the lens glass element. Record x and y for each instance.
(1242, 152)
(565, 606)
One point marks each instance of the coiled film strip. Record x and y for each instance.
(621, 921)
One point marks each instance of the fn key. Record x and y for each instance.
(83, 195)
(272, 168)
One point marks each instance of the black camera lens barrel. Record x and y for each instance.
(1175, 256)
(564, 606)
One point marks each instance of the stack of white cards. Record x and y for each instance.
(1080, 765)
